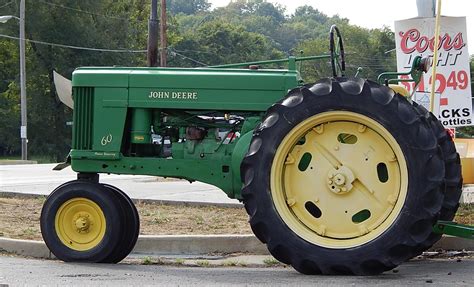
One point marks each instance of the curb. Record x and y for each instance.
(454, 243)
(199, 244)
(195, 245)
(30, 248)
(157, 245)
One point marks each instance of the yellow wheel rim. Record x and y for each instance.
(339, 179)
(80, 224)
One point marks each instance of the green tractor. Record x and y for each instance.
(340, 176)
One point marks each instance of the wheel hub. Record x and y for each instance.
(83, 223)
(80, 224)
(340, 180)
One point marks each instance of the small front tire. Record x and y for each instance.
(79, 222)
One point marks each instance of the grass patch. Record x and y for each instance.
(19, 218)
(465, 214)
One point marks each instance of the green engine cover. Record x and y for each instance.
(201, 89)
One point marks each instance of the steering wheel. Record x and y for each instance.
(338, 60)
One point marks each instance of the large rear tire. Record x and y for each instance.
(453, 174)
(453, 170)
(343, 177)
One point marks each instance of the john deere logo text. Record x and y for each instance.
(173, 95)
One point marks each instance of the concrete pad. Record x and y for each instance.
(41, 179)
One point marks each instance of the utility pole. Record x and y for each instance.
(23, 133)
(152, 47)
(163, 50)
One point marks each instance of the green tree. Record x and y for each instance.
(244, 30)
(187, 7)
(217, 42)
(84, 23)
(364, 49)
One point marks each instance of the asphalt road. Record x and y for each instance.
(16, 271)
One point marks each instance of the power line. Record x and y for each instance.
(81, 11)
(3, 6)
(75, 47)
(100, 49)
(188, 58)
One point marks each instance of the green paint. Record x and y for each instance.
(454, 229)
(194, 124)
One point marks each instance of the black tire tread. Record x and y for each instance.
(130, 226)
(286, 246)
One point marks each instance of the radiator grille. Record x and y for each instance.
(83, 118)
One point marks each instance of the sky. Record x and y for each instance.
(376, 14)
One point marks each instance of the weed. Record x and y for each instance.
(199, 220)
(202, 263)
(29, 232)
(230, 262)
(41, 199)
(271, 261)
(147, 260)
(160, 219)
(179, 261)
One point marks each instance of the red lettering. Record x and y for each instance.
(411, 35)
(452, 83)
(447, 45)
(412, 41)
(422, 44)
(458, 42)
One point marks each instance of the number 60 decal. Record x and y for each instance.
(106, 139)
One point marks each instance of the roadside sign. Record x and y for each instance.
(415, 37)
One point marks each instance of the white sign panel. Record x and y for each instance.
(415, 37)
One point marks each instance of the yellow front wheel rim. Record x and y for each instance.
(339, 179)
(80, 224)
